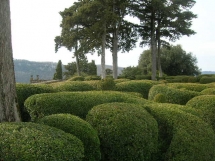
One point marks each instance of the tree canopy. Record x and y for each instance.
(174, 61)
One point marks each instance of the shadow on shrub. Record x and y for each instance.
(79, 128)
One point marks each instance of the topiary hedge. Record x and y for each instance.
(188, 86)
(106, 84)
(72, 86)
(206, 79)
(92, 77)
(76, 103)
(127, 131)
(208, 91)
(172, 95)
(26, 90)
(79, 128)
(182, 136)
(205, 103)
(29, 141)
(140, 86)
(76, 78)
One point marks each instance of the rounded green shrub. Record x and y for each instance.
(182, 136)
(26, 90)
(188, 86)
(205, 103)
(208, 91)
(120, 80)
(172, 95)
(140, 86)
(160, 98)
(79, 128)
(72, 86)
(206, 79)
(106, 84)
(76, 103)
(127, 131)
(35, 142)
(92, 77)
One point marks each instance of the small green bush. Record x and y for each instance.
(182, 136)
(76, 103)
(76, 78)
(106, 84)
(140, 86)
(172, 95)
(26, 90)
(141, 77)
(127, 131)
(92, 77)
(208, 91)
(72, 86)
(181, 79)
(121, 80)
(205, 103)
(160, 98)
(30, 141)
(188, 86)
(79, 128)
(205, 80)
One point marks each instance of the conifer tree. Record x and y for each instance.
(59, 73)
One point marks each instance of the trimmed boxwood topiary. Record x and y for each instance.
(188, 86)
(79, 128)
(26, 90)
(76, 78)
(106, 84)
(172, 95)
(35, 142)
(208, 91)
(76, 103)
(140, 86)
(206, 79)
(182, 136)
(205, 103)
(92, 77)
(72, 86)
(127, 131)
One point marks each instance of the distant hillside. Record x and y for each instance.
(24, 69)
(208, 72)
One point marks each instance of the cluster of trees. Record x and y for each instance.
(89, 26)
(174, 61)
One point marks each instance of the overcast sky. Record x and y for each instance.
(35, 23)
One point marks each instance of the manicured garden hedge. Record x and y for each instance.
(172, 95)
(72, 86)
(188, 86)
(26, 90)
(127, 131)
(79, 128)
(208, 91)
(140, 86)
(35, 142)
(182, 136)
(76, 103)
(207, 79)
(205, 103)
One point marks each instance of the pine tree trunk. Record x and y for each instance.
(114, 55)
(159, 58)
(77, 61)
(153, 47)
(103, 72)
(8, 107)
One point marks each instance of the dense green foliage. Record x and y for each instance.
(172, 95)
(206, 104)
(131, 72)
(182, 136)
(174, 61)
(188, 86)
(140, 86)
(206, 79)
(29, 141)
(106, 84)
(208, 91)
(76, 103)
(26, 90)
(59, 72)
(79, 128)
(127, 131)
(72, 86)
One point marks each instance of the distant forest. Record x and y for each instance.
(24, 69)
